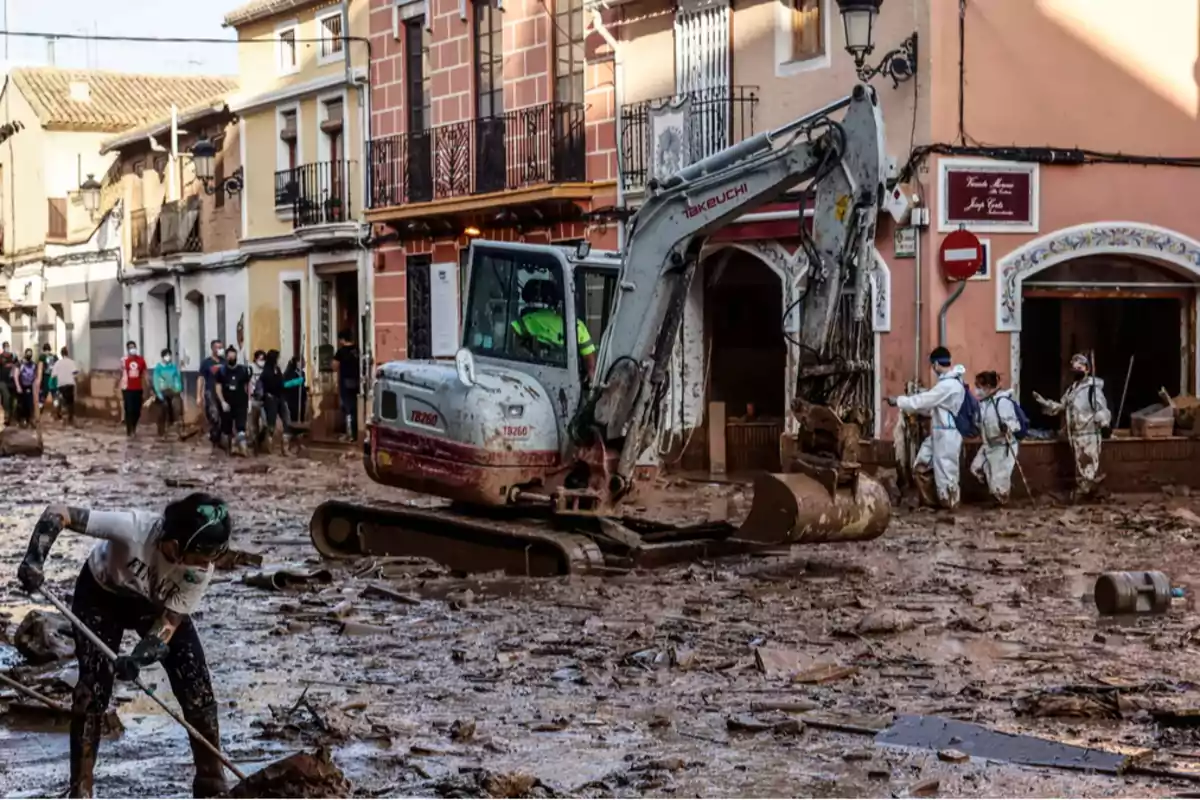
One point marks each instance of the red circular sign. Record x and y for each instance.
(961, 255)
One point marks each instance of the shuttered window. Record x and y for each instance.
(808, 29)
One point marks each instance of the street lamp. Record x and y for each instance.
(204, 159)
(858, 19)
(90, 189)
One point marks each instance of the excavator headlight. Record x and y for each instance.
(515, 412)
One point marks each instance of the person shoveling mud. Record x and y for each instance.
(148, 573)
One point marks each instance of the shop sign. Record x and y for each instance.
(904, 242)
(988, 197)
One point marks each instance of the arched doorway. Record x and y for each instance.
(1121, 290)
(743, 302)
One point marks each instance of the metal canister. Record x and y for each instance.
(1133, 593)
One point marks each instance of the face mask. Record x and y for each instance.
(260, 363)
(1080, 373)
(29, 356)
(133, 351)
(166, 359)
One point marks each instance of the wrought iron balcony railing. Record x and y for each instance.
(531, 146)
(714, 119)
(318, 194)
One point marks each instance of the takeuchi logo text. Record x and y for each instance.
(716, 200)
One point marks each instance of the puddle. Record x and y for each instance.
(939, 733)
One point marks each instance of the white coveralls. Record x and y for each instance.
(1087, 412)
(942, 449)
(997, 455)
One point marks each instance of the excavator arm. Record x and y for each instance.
(844, 160)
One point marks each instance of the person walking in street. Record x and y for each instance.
(8, 389)
(346, 369)
(133, 374)
(25, 376)
(148, 573)
(64, 373)
(270, 386)
(47, 390)
(295, 398)
(233, 391)
(939, 453)
(1000, 428)
(1087, 417)
(206, 392)
(167, 384)
(254, 418)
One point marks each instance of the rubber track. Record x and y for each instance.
(461, 542)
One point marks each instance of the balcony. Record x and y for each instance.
(533, 146)
(176, 230)
(713, 119)
(317, 194)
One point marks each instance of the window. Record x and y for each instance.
(568, 51)
(288, 134)
(489, 60)
(420, 93)
(808, 29)
(332, 42)
(288, 55)
(515, 309)
(221, 318)
(595, 294)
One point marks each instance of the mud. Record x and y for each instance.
(627, 685)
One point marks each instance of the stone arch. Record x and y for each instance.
(1139, 239)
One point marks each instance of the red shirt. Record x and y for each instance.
(134, 368)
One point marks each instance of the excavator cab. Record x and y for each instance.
(494, 422)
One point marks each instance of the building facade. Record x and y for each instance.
(488, 119)
(184, 281)
(63, 261)
(303, 118)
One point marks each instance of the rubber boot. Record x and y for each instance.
(85, 741)
(210, 772)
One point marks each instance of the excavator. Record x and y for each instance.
(532, 437)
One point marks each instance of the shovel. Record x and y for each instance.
(107, 651)
(298, 775)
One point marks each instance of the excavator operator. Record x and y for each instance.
(540, 326)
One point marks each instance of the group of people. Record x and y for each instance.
(28, 385)
(243, 403)
(1001, 423)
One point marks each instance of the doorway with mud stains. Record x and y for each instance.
(1123, 311)
(743, 306)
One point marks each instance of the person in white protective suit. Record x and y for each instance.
(998, 425)
(940, 452)
(1087, 413)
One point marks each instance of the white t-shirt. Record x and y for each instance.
(128, 561)
(64, 371)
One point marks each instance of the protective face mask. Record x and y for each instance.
(133, 351)
(166, 359)
(232, 360)
(1079, 373)
(260, 363)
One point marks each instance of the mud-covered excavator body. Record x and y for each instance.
(552, 398)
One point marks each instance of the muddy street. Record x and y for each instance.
(754, 676)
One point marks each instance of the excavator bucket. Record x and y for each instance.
(800, 508)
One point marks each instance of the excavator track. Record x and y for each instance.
(462, 542)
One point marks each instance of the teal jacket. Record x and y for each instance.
(167, 378)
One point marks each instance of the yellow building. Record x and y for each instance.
(303, 108)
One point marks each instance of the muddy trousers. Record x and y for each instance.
(170, 412)
(109, 615)
(133, 409)
(212, 413)
(1085, 446)
(67, 398)
(8, 401)
(25, 406)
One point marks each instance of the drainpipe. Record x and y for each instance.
(172, 173)
(945, 310)
(618, 94)
(917, 339)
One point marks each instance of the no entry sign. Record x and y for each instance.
(961, 255)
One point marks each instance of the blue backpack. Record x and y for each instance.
(1022, 420)
(965, 419)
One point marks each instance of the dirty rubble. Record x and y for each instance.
(766, 675)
